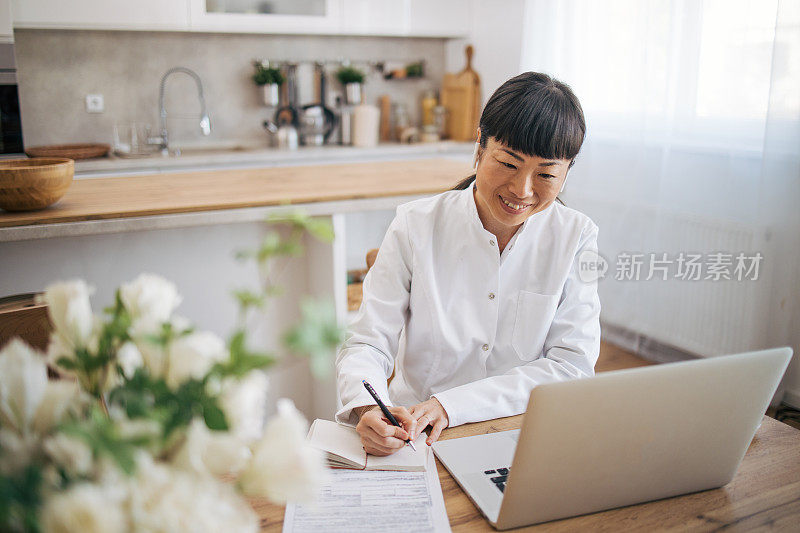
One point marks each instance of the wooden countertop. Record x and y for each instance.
(162, 194)
(765, 494)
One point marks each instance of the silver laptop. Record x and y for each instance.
(618, 438)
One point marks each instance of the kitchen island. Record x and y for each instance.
(188, 226)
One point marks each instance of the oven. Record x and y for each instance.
(10, 123)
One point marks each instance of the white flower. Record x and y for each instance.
(244, 403)
(30, 405)
(165, 500)
(28, 401)
(129, 358)
(59, 397)
(145, 333)
(23, 380)
(71, 314)
(85, 508)
(150, 297)
(193, 355)
(70, 453)
(154, 354)
(284, 466)
(211, 452)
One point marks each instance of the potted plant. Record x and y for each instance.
(415, 70)
(269, 79)
(351, 79)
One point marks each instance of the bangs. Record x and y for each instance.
(536, 115)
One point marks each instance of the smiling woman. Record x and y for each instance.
(511, 187)
(530, 133)
(483, 280)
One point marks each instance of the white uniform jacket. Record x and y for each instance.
(481, 328)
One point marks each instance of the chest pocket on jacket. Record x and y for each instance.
(535, 314)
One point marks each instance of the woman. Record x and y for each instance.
(482, 280)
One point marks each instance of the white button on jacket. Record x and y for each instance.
(479, 356)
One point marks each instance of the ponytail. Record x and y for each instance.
(463, 184)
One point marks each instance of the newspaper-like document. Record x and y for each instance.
(369, 500)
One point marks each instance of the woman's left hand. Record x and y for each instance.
(429, 413)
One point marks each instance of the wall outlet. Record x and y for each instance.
(95, 103)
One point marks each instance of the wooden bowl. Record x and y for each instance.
(29, 184)
(70, 151)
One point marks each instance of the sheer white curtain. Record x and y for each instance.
(692, 148)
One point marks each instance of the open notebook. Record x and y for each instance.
(343, 446)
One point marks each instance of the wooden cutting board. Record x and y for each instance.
(461, 96)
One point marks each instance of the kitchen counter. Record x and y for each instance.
(131, 201)
(250, 156)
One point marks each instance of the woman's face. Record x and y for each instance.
(511, 186)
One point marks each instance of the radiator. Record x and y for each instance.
(703, 317)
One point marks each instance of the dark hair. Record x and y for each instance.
(534, 114)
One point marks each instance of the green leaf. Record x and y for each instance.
(20, 500)
(320, 229)
(67, 363)
(299, 220)
(124, 457)
(249, 299)
(103, 437)
(269, 247)
(242, 360)
(316, 335)
(214, 417)
(236, 344)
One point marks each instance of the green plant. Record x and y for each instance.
(414, 70)
(266, 75)
(347, 75)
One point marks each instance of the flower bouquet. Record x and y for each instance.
(154, 425)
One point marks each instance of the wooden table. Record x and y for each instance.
(765, 494)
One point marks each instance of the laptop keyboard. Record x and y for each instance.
(498, 476)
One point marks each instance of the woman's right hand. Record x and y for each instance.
(379, 436)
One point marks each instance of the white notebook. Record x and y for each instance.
(344, 449)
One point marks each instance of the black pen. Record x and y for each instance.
(386, 412)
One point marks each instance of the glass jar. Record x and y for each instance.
(429, 102)
(440, 120)
(400, 120)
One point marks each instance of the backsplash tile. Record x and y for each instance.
(57, 69)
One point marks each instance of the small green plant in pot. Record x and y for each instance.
(270, 79)
(351, 79)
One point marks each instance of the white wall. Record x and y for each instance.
(6, 31)
(199, 260)
(496, 37)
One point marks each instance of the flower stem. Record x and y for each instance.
(103, 404)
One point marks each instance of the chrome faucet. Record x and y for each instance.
(205, 123)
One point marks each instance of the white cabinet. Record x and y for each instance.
(102, 14)
(288, 17)
(407, 18)
(374, 17)
(440, 18)
(410, 18)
